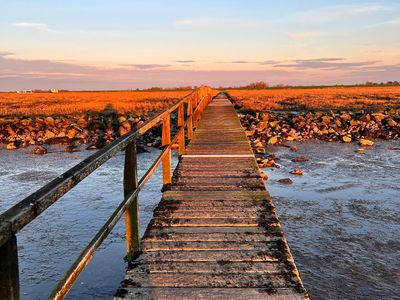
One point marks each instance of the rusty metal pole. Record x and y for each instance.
(181, 137)
(166, 141)
(132, 209)
(9, 275)
(190, 119)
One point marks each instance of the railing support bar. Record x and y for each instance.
(9, 275)
(132, 209)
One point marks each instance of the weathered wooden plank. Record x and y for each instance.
(160, 235)
(211, 256)
(273, 281)
(191, 293)
(208, 245)
(217, 195)
(220, 267)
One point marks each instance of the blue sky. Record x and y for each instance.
(130, 44)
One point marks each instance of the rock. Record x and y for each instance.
(49, 135)
(263, 175)
(296, 172)
(82, 123)
(365, 142)
(91, 147)
(301, 158)
(346, 139)
(273, 140)
(121, 119)
(285, 181)
(49, 121)
(122, 130)
(360, 150)
(345, 117)
(71, 133)
(326, 120)
(258, 144)
(378, 117)
(141, 149)
(260, 151)
(71, 148)
(391, 122)
(39, 150)
(11, 146)
(273, 124)
(294, 148)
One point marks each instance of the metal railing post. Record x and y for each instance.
(166, 141)
(181, 137)
(132, 209)
(9, 275)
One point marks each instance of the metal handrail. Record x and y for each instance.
(21, 214)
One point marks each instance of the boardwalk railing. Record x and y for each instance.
(21, 214)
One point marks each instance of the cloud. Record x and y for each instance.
(185, 61)
(268, 62)
(242, 62)
(146, 66)
(19, 74)
(36, 26)
(337, 12)
(390, 23)
(325, 64)
(5, 53)
(265, 62)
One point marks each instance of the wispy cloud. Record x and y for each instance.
(325, 64)
(389, 23)
(264, 62)
(146, 66)
(268, 62)
(35, 26)
(333, 13)
(5, 53)
(185, 61)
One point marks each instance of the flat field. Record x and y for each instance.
(325, 98)
(75, 102)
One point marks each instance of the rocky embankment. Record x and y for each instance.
(275, 128)
(92, 129)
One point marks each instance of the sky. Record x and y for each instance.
(121, 44)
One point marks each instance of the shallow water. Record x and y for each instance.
(49, 245)
(341, 218)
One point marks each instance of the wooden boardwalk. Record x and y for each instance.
(214, 234)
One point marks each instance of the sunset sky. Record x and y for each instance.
(136, 44)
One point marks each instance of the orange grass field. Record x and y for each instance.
(324, 98)
(74, 102)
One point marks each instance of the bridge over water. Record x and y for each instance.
(214, 234)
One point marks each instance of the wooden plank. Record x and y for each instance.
(168, 293)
